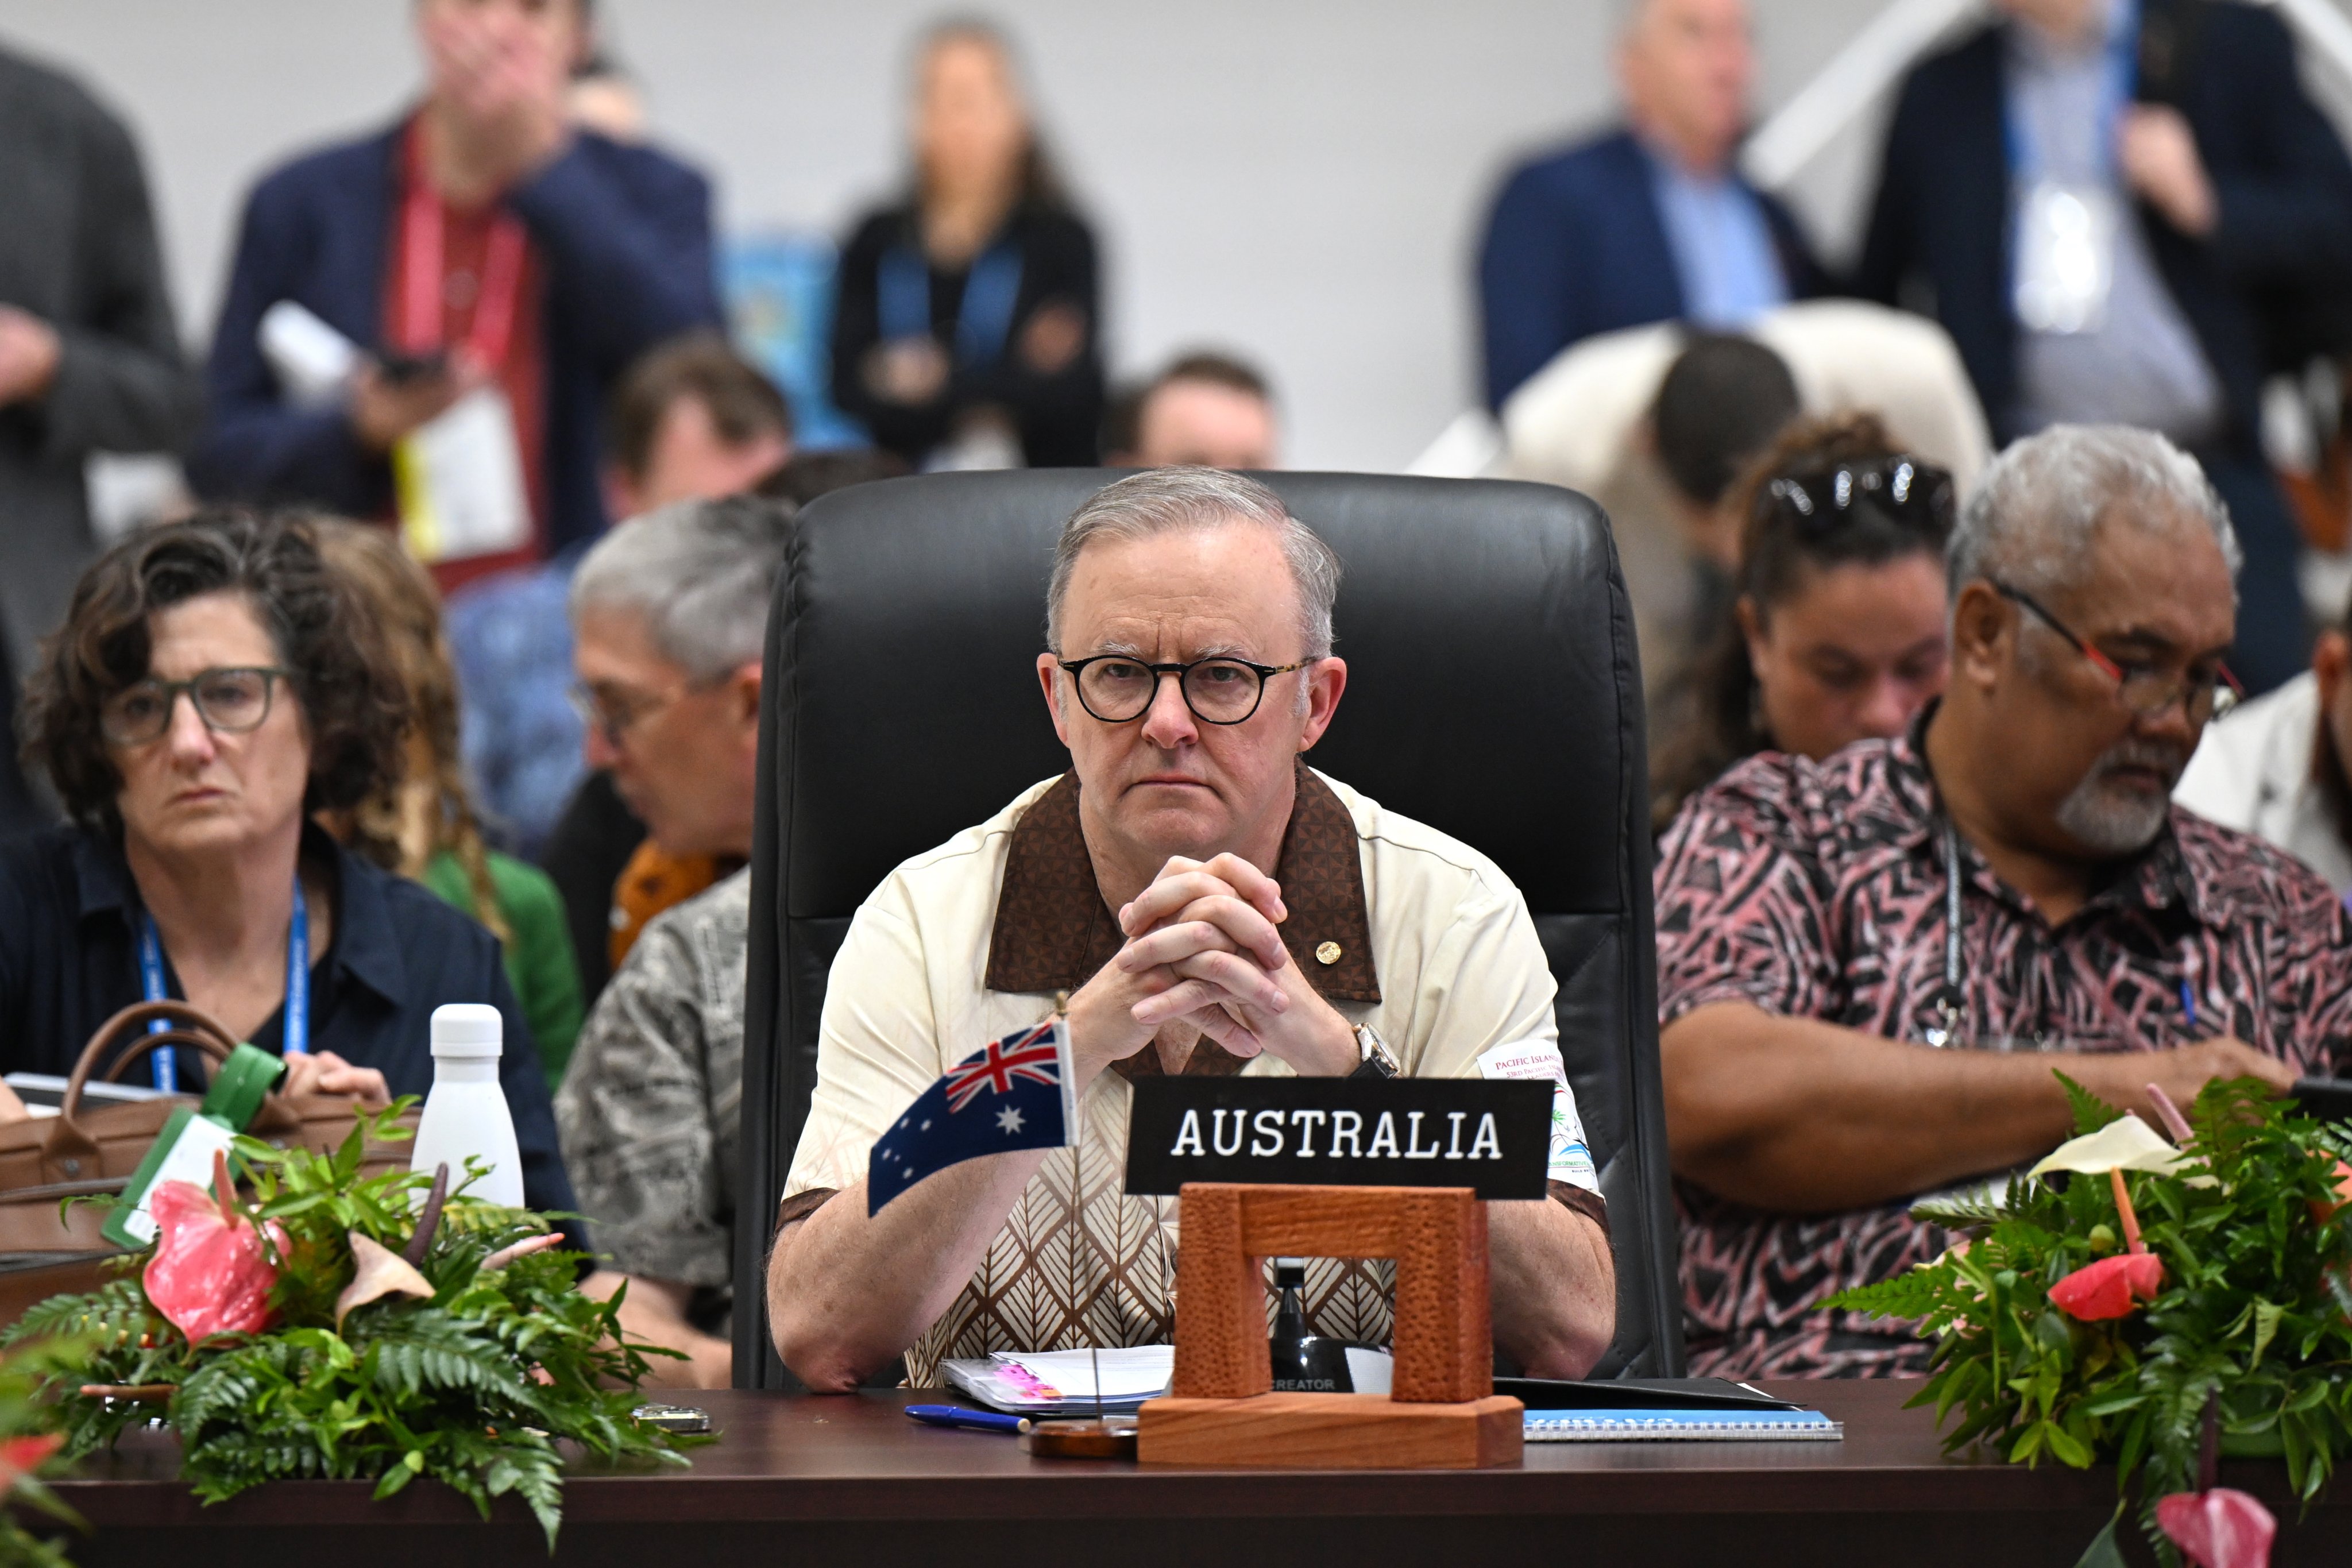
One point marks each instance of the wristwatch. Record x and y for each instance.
(1379, 1060)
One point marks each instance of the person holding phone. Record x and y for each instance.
(497, 268)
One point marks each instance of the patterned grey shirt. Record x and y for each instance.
(651, 1108)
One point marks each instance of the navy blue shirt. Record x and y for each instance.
(69, 960)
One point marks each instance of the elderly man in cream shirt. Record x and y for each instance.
(1208, 904)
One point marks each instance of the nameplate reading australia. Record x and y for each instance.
(1491, 1136)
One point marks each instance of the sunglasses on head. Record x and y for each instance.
(1904, 489)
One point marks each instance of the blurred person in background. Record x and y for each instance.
(1836, 632)
(215, 688)
(1648, 223)
(488, 268)
(89, 358)
(598, 836)
(670, 619)
(2276, 767)
(966, 333)
(1205, 410)
(690, 420)
(604, 97)
(1723, 400)
(424, 825)
(2099, 259)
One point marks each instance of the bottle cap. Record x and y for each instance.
(467, 1031)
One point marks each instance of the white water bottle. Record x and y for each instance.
(466, 1115)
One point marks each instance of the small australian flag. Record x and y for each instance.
(1013, 1095)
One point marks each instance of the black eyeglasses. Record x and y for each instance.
(1117, 689)
(2145, 689)
(231, 700)
(1917, 494)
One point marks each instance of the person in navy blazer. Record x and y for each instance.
(2239, 186)
(621, 234)
(1581, 242)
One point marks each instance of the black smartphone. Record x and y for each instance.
(399, 368)
(2329, 1099)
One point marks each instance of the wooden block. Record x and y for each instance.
(1445, 1333)
(1221, 1347)
(1330, 1432)
(1320, 1222)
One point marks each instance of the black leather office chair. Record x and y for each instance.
(1492, 692)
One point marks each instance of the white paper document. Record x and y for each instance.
(460, 482)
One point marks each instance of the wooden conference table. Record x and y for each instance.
(849, 1480)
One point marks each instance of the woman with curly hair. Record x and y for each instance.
(1837, 634)
(424, 825)
(214, 685)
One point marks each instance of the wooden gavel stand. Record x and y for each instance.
(1442, 1411)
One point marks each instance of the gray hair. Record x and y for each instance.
(2037, 505)
(1162, 500)
(700, 572)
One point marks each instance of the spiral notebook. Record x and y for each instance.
(1682, 1426)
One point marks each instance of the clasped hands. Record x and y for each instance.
(1203, 950)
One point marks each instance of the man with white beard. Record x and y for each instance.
(1869, 967)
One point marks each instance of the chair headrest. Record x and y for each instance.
(1493, 691)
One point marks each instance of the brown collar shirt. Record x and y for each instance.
(1399, 926)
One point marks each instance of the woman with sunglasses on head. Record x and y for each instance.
(1837, 633)
(213, 685)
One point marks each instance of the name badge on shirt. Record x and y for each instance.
(1569, 1157)
(460, 480)
(2065, 256)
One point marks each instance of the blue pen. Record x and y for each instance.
(975, 1420)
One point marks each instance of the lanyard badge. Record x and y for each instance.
(2066, 229)
(166, 1067)
(459, 478)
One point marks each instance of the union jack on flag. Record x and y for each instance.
(1035, 1057)
(1014, 1093)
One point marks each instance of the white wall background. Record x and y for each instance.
(1300, 180)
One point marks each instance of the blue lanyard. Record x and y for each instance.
(984, 321)
(297, 1032)
(2122, 81)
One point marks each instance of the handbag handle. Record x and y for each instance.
(191, 1027)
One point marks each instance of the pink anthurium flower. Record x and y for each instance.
(2217, 1529)
(2111, 1288)
(211, 1273)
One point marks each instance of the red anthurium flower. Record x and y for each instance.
(2219, 1529)
(20, 1455)
(211, 1273)
(2111, 1288)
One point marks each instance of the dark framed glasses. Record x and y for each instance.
(1117, 689)
(2145, 689)
(1919, 495)
(230, 701)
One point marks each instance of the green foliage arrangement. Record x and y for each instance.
(25, 1451)
(2250, 1320)
(475, 1386)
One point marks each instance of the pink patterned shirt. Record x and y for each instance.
(1816, 890)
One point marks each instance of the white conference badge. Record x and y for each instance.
(459, 481)
(1539, 1059)
(2065, 256)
